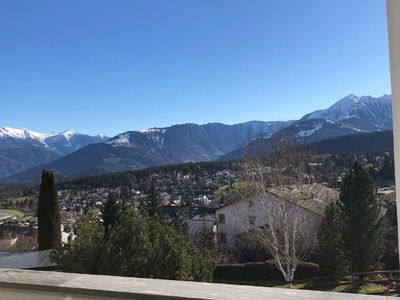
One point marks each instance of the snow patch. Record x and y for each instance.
(122, 140)
(152, 130)
(305, 133)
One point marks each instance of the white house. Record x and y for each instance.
(243, 215)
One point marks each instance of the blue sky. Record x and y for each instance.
(111, 66)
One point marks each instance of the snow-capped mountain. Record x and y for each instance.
(64, 142)
(364, 113)
(21, 149)
(16, 138)
(69, 141)
(21, 133)
(350, 115)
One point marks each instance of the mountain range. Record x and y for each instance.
(22, 149)
(73, 154)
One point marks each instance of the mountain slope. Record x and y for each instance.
(91, 160)
(191, 142)
(359, 142)
(15, 160)
(362, 142)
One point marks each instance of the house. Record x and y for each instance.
(202, 226)
(192, 221)
(252, 212)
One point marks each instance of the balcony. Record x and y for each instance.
(35, 285)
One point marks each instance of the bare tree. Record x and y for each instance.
(281, 210)
(204, 237)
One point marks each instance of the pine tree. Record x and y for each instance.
(49, 231)
(363, 222)
(151, 206)
(110, 211)
(332, 258)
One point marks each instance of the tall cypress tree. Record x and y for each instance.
(110, 211)
(153, 202)
(49, 233)
(363, 222)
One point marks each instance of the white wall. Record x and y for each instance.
(25, 294)
(237, 217)
(393, 12)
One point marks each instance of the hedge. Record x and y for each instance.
(261, 271)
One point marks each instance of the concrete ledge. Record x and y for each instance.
(24, 284)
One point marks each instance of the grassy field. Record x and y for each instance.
(14, 212)
(14, 199)
(225, 188)
(16, 208)
(328, 286)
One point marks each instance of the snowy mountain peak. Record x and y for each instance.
(68, 134)
(21, 134)
(63, 142)
(372, 111)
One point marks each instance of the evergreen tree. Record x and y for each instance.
(81, 255)
(332, 258)
(110, 211)
(151, 205)
(143, 246)
(49, 231)
(138, 245)
(363, 222)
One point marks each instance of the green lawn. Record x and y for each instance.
(14, 199)
(224, 189)
(318, 285)
(14, 212)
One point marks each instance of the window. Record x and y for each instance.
(221, 218)
(222, 238)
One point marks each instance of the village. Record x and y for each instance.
(197, 201)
